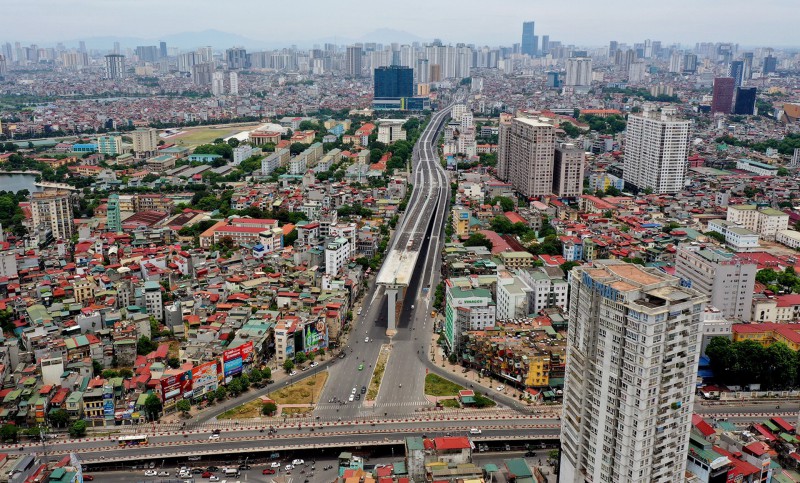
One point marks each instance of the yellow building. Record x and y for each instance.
(461, 222)
(83, 289)
(538, 371)
(768, 333)
(513, 260)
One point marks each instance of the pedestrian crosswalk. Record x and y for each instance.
(406, 404)
(403, 404)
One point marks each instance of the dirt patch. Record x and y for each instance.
(306, 391)
(250, 409)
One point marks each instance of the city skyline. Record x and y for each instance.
(679, 22)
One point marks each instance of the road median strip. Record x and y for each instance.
(377, 373)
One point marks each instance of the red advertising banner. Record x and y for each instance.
(170, 387)
(246, 350)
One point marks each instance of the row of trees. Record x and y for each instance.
(748, 362)
(784, 146)
(786, 281)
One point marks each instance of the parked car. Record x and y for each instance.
(268, 471)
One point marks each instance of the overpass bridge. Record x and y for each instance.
(430, 196)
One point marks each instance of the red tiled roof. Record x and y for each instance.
(701, 425)
(452, 442)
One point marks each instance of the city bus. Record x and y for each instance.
(132, 440)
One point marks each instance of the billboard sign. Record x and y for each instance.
(232, 362)
(170, 387)
(246, 350)
(186, 384)
(204, 378)
(108, 402)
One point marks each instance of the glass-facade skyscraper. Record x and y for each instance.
(529, 40)
(394, 82)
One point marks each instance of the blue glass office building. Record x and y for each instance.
(394, 81)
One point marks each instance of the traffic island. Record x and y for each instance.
(377, 373)
(302, 394)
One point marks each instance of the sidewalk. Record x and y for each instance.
(474, 377)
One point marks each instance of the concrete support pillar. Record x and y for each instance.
(391, 305)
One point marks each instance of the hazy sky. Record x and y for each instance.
(493, 22)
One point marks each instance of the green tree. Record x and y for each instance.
(290, 238)
(233, 142)
(783, 171)
(152, 407)
(266, 373)
(780, 366)
(567, 266)
(297, 148)
(78, 429)
(221, 393)
(478, 240)
(288, 365)
(715, 235)
(269, 409)
(174, 362)
(766, 276)
(184, 406)
(9, 432)
(97, 367)
(58, 418)
(145, 346)
(506, 203)
(750, 359)
(300, 357)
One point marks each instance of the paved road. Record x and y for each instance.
(247, 441)
(330, 435)
(402, 387)
(254, 475)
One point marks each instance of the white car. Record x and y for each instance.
(213, 478)
(500, 388)
(151, 473)
(163, 473)
(313, 364)
(366, 339)
(352, 396)
(293, 373)
(298, 462)
(275, 464)
(213, 436)
(288, 467)
(474, 431)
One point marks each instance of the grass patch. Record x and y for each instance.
(290, 411)
(250, 409)
(438, 386)
(377, 374)
(207, 135)
(482, 401)
(306, 391)
(450, 403)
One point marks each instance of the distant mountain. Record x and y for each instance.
(387, 36)
(214, 38)
(220, 40)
